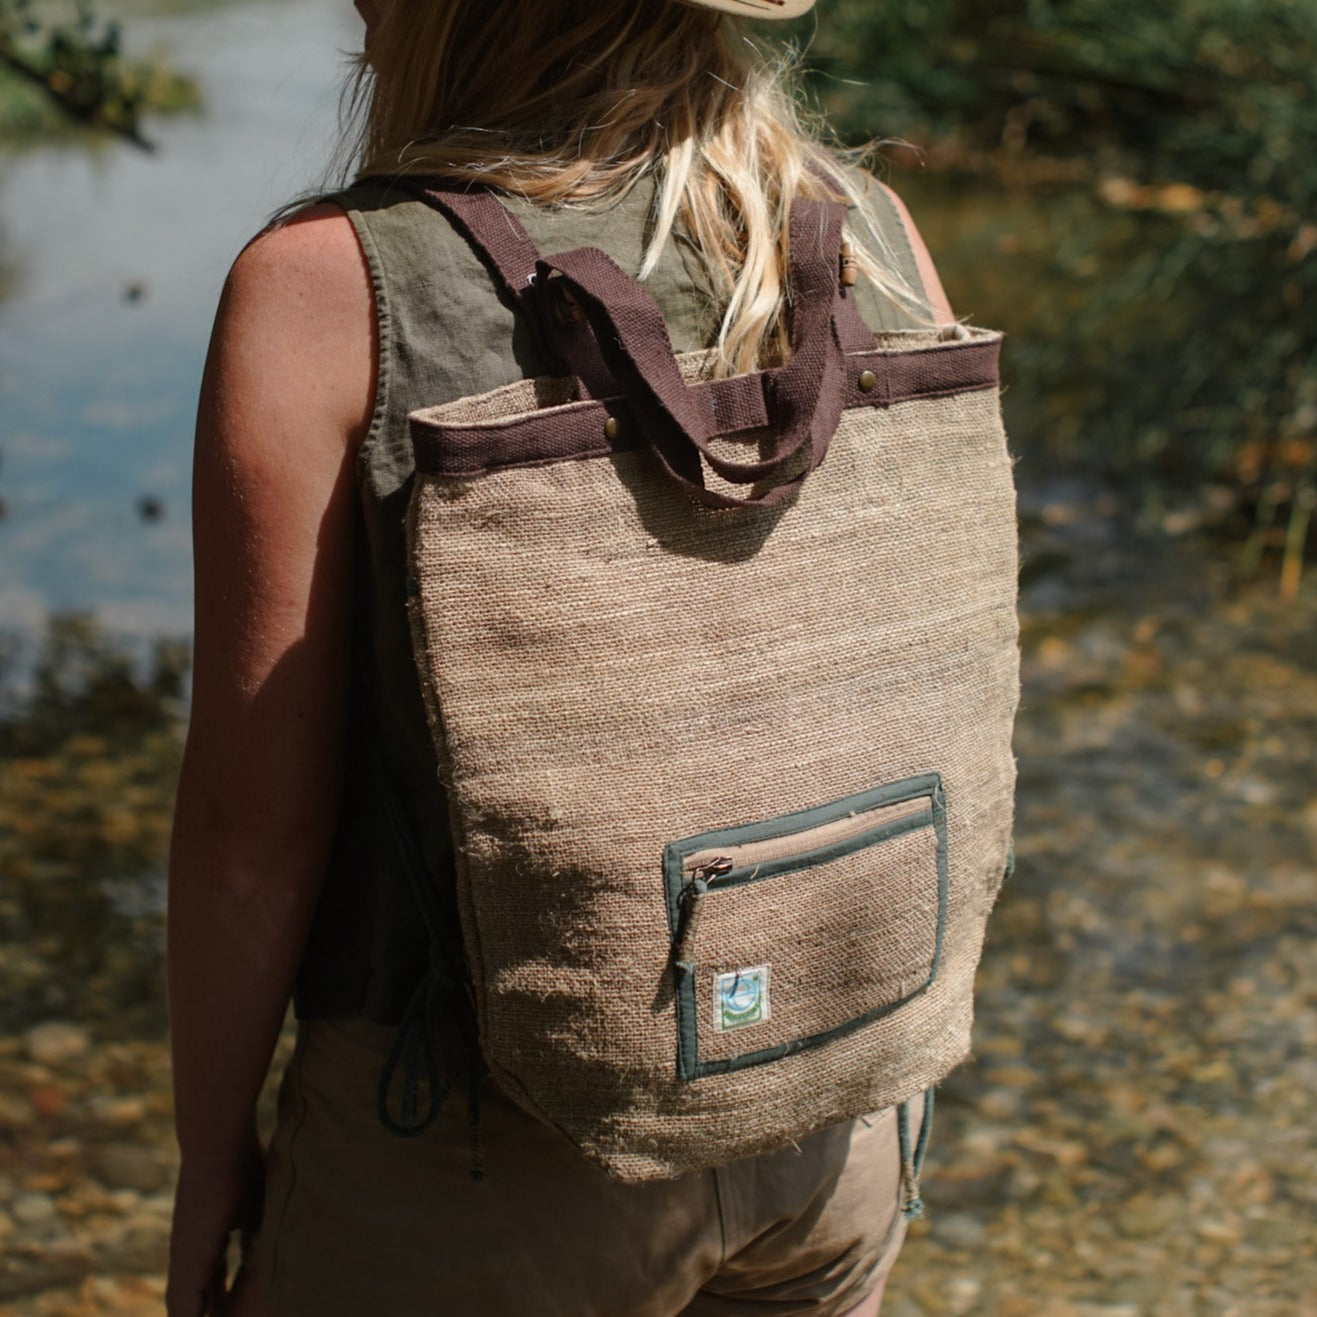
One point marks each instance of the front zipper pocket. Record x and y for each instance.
(795, 931)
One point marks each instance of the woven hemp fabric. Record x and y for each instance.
(732, 790)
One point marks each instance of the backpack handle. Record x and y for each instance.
(805, 397)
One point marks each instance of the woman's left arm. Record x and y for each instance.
(285, 403)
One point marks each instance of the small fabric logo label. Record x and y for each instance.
(740, 997)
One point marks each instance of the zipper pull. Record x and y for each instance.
(714, 869)
(692, 902)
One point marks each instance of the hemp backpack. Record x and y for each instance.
(729, 773)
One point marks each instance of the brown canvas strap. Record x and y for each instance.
(854, 334)
(879, 379)
(610, 334)
(807, 394)
(507, 251)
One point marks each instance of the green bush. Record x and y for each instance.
(1190, 354)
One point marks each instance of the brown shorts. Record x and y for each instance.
(363, 1224)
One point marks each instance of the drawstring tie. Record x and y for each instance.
(439, 997)
(413, 1056)
(414, 1060)
(912, 1163)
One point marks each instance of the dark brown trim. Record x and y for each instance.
(576, 430)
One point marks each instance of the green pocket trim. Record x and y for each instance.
(677, 884)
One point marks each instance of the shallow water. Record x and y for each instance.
(116, 259)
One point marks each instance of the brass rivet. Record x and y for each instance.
(867, 381)
(612, 428)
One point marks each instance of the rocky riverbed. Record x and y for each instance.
(1135, 1134)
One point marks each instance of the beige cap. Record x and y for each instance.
(757, 8)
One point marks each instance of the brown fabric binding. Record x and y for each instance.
(444, 447)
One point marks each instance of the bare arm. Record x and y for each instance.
(285, 403)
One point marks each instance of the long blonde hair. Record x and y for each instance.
(573, 102)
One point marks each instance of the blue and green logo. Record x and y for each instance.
(740, 997)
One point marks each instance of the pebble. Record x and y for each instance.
(132, 1166)
(33, 1209)
(1001, 1103)
(963, 1293)
(127, 1202)
(119, 1112)
(49, 1100)
(57, 1042)
(959, 1230)
(15, 1111)
(45, 1182)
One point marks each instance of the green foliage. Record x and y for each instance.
(1220, 91)
(89, 758)
(54, 71)
(1192, 352)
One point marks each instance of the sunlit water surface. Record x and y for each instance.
(115, 261)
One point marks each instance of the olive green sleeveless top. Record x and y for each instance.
(443, 334)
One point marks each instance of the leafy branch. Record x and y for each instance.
(78, 65)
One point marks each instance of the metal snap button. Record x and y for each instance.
(867, 381)
(612, 428)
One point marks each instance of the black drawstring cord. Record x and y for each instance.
(413, 1054)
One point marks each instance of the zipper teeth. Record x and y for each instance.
(713, 863)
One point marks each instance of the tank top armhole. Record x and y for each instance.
(383, 322)
(881, 217)
(916, 251)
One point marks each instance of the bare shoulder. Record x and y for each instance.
(297, 315)
(312, 259)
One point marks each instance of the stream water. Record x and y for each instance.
(116, 259)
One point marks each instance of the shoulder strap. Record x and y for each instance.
(519, 271)
(852, 332)
(510, 255)
(493, 232)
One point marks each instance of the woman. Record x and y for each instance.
(651, 129)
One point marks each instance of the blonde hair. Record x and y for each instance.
(573, 102)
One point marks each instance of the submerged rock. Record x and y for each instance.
(57, 1042)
